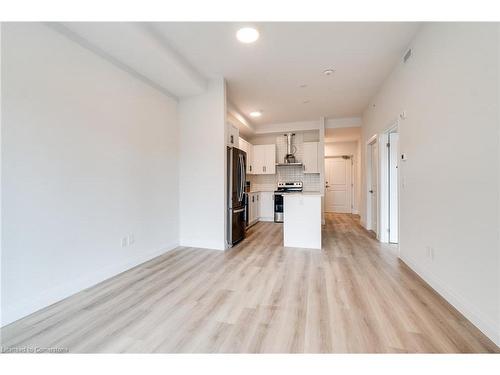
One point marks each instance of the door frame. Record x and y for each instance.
(374, 139)
(352, 182)
(384, 184)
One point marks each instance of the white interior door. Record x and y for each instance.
(373, 186)
(338, 185)
(393, 187)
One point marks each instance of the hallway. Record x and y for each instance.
(354, 296)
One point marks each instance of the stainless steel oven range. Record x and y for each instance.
(284, 188)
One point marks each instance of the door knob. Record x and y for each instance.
(370, 191)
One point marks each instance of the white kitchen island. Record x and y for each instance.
(302, 220)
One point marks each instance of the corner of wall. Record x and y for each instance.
(202, 163)
(487, 326)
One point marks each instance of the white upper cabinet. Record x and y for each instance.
(311, 157)
(243, 145)
(250, 166)
(264, 159)
(248, 148)
(233, 135)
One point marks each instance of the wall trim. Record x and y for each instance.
(25, 307)
(484, 324)
(201, 244)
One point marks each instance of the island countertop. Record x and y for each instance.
(302, 220)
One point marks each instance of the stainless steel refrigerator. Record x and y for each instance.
(237, 202)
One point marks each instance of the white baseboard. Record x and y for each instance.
(266, 219)
(484, 324)
(209, 245)
(26, 307)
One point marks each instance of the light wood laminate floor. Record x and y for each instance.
(353, 296)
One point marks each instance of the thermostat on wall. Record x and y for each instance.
(404, 157)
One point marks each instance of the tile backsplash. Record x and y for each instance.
(267, 182)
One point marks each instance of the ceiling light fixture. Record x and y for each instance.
(256, 113)
(328, 72)
(247, 35)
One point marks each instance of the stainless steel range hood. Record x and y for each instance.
(289, 164)
(289, 160)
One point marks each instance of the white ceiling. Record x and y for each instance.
(266, 75)
(178, 58)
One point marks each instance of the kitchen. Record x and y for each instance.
(281, 183)
(117, 208)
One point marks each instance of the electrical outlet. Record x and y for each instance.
(124, 242)
(131, 239)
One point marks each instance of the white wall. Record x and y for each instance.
(343, 122)
(449, 90)
(89, 155)
(341, 148)
(233, 116)
(202, 168)
(343, 134)
(286, 127)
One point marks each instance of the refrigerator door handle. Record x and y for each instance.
(242, 183)
(242, 178)
(238, 185)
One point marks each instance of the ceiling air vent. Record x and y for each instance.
(407, 56)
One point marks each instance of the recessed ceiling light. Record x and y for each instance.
(256, 113)
(247, 35)
(328, 72)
